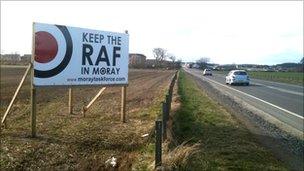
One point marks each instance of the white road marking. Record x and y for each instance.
(287, 111)
(282, 90)
(278, 83)
(279, 89)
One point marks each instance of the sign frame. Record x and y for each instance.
(33, 87)
(79, 85)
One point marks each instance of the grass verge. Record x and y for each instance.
(225, 143)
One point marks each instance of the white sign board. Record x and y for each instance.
(76, 56)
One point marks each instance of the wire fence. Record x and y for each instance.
(161, 124)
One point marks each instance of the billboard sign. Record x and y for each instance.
(66, 56)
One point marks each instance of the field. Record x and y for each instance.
(72, 141)
(284, 77)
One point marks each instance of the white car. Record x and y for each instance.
(207, 72)
(237, 77)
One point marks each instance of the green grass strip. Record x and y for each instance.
(225, 143)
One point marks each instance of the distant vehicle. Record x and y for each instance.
(237, 77)
(207, 72)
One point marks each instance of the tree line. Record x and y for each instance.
(161, 55)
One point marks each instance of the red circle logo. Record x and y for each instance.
(46, 47)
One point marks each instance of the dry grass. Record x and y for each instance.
(71, 141)
(180, 155)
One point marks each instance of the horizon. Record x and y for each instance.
(193, 61)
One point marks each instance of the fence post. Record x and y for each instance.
(158, 143)
(171, 89)
(165, 119)
(168, 101)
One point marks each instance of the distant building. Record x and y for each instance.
(10, 57)
(26, 58)
(137, 60)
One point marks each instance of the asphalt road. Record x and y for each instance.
(282, 101)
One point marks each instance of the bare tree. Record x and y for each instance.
(160, 55)
(202, 62)
(179, 63)
(173, 59)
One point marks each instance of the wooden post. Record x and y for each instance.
(168, 101)
(164, 120)
(70, 101)
(158, 143)
(123, 104)
(33, 110)
(123, 99)
(15, 95)
(171, 89)
(33, 90)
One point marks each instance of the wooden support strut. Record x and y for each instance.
(85, 108)
(16, 93)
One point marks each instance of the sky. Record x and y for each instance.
(227, 32)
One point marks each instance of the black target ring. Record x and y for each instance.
(66, 59)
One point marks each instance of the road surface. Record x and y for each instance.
(282, 101)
